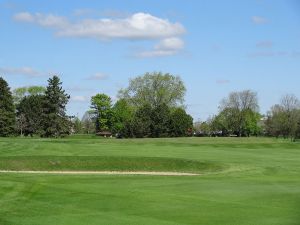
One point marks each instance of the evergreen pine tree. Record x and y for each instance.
(30, 114)
(55, 122)
(7, 110)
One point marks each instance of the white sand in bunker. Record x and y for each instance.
(149, 173)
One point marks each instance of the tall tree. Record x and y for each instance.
(141, 122)
(291, 105)
(154, 89)
(180, 123)
(283, 119)
(30, 114)
(77, 125)
(7, 110)
(88, 123)
(123, 115)
(55, 122)
(101, 105)
(21, 124)
(160, 121)
(241, 109)
(276, 122)
(297, 134)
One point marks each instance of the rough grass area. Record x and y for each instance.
(105, 163)
(255, 181)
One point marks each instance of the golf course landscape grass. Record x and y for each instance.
(242, 181)
(104, 163)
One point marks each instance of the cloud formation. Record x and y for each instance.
(40, 19)
(166, 47)
(79, 98)
(138, 26)
(26, 71)
(259, 20)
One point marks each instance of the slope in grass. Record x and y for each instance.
(105, 163)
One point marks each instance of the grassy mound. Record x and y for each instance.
(105, 163)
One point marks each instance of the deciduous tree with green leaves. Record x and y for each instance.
(123, 115)
(152, 97)
(284, 118)
(154, 89)
(239, 112)
(77, 125)
(21, 92)
(101, 106)
(141, 122)
(180, 123)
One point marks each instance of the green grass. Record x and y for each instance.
(249, 181)
(106, 163)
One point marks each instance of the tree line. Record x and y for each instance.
(151, 106)
(34, 110)
(239, 116)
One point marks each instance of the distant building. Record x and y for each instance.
(104, 134)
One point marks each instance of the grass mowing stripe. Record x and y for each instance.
(108, 163)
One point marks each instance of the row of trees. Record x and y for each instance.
(35, 110)
(151, 106)
(284, 118)
(239, 116)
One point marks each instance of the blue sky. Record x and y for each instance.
(96, 46)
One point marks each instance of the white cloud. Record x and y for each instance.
(48, 20)
(170, 44)
(259, 20)
(166, 47)
(79, 98)
(24, 17)
(137, 26)
(98, 76)
(27, 71)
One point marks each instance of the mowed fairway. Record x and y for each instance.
(249, 181)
